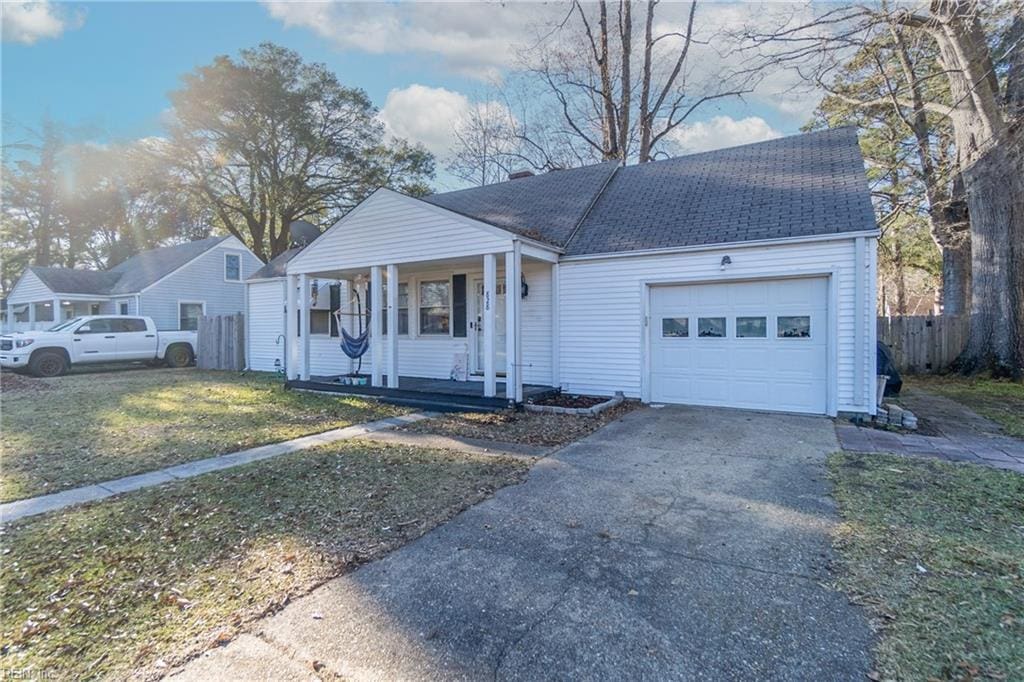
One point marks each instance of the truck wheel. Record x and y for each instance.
(178, 355)
(48, 363)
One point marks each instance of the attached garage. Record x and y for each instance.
(760, 344)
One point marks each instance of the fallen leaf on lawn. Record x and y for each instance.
(632, 593)
(317, 616)
(317, 666)
(874, 676)
(222, 638)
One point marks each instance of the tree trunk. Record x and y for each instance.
(997, 281)
(991, 167)
(626, 96)
(956, 279)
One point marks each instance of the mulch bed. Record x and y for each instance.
(530, 428)
(568, 400)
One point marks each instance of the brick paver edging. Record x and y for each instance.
(19, 509)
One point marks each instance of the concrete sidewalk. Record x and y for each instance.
(958, 435)
(19, 509)
(674, 544)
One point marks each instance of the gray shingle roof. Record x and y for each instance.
(545, 207)
(796, 186)
(129, 277)
(68, 281)
(275, 266)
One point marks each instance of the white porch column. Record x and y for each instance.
(490, 296)
(291, 333)
(58, 312)
(556, 351)
(392, 326)
(376, 326)
(32, 316)
(513, 373)
(304, 325)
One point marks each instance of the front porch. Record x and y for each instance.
(436, 394)
(430, 296)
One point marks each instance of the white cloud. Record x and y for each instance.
(473, 39)
(722, 131)
(29, 22)
(430, 116)
(425, 115)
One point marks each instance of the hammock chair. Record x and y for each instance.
(356, 346)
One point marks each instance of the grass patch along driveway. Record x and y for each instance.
(1001, 401)
(141, 582)
(936, 552)
(61, 433)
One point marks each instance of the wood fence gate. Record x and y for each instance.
(923, 344)
(221, 342)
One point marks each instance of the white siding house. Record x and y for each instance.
(741, 277)
(168, 284)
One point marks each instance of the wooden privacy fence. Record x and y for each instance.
(924, 343)
(221, 342)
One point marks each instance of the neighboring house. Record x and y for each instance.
(742, 277)
(174, 285)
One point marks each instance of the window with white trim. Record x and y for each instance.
(793, 326)
(188, 316)
(435, 307)
(232, 267)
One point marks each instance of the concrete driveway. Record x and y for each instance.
(676, 543)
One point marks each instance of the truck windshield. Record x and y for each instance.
(63, 325)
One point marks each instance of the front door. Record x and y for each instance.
(499, 328)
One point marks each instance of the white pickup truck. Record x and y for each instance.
(96, 338)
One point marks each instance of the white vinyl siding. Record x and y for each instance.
(601, 310)
(200, 280)
(265, 320)
(29, 288)
(391, 228)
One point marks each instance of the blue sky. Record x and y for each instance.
(107, 67)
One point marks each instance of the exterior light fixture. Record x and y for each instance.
(725, 261)
(523, 286)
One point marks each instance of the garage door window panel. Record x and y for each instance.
(675, 327)
(794, 326)
(751, 327)
(711, 327)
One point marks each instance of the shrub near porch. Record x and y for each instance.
(85, 428)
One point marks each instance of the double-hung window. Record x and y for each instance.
(188, 316)
(232, 267)
(435, 307)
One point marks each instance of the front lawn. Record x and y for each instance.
(1000, 400)
(935, 552)
(141, 582)
(66, 432)
(529, 428)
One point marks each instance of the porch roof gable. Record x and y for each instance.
(390, 227)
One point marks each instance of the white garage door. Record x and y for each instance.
(758, 345)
